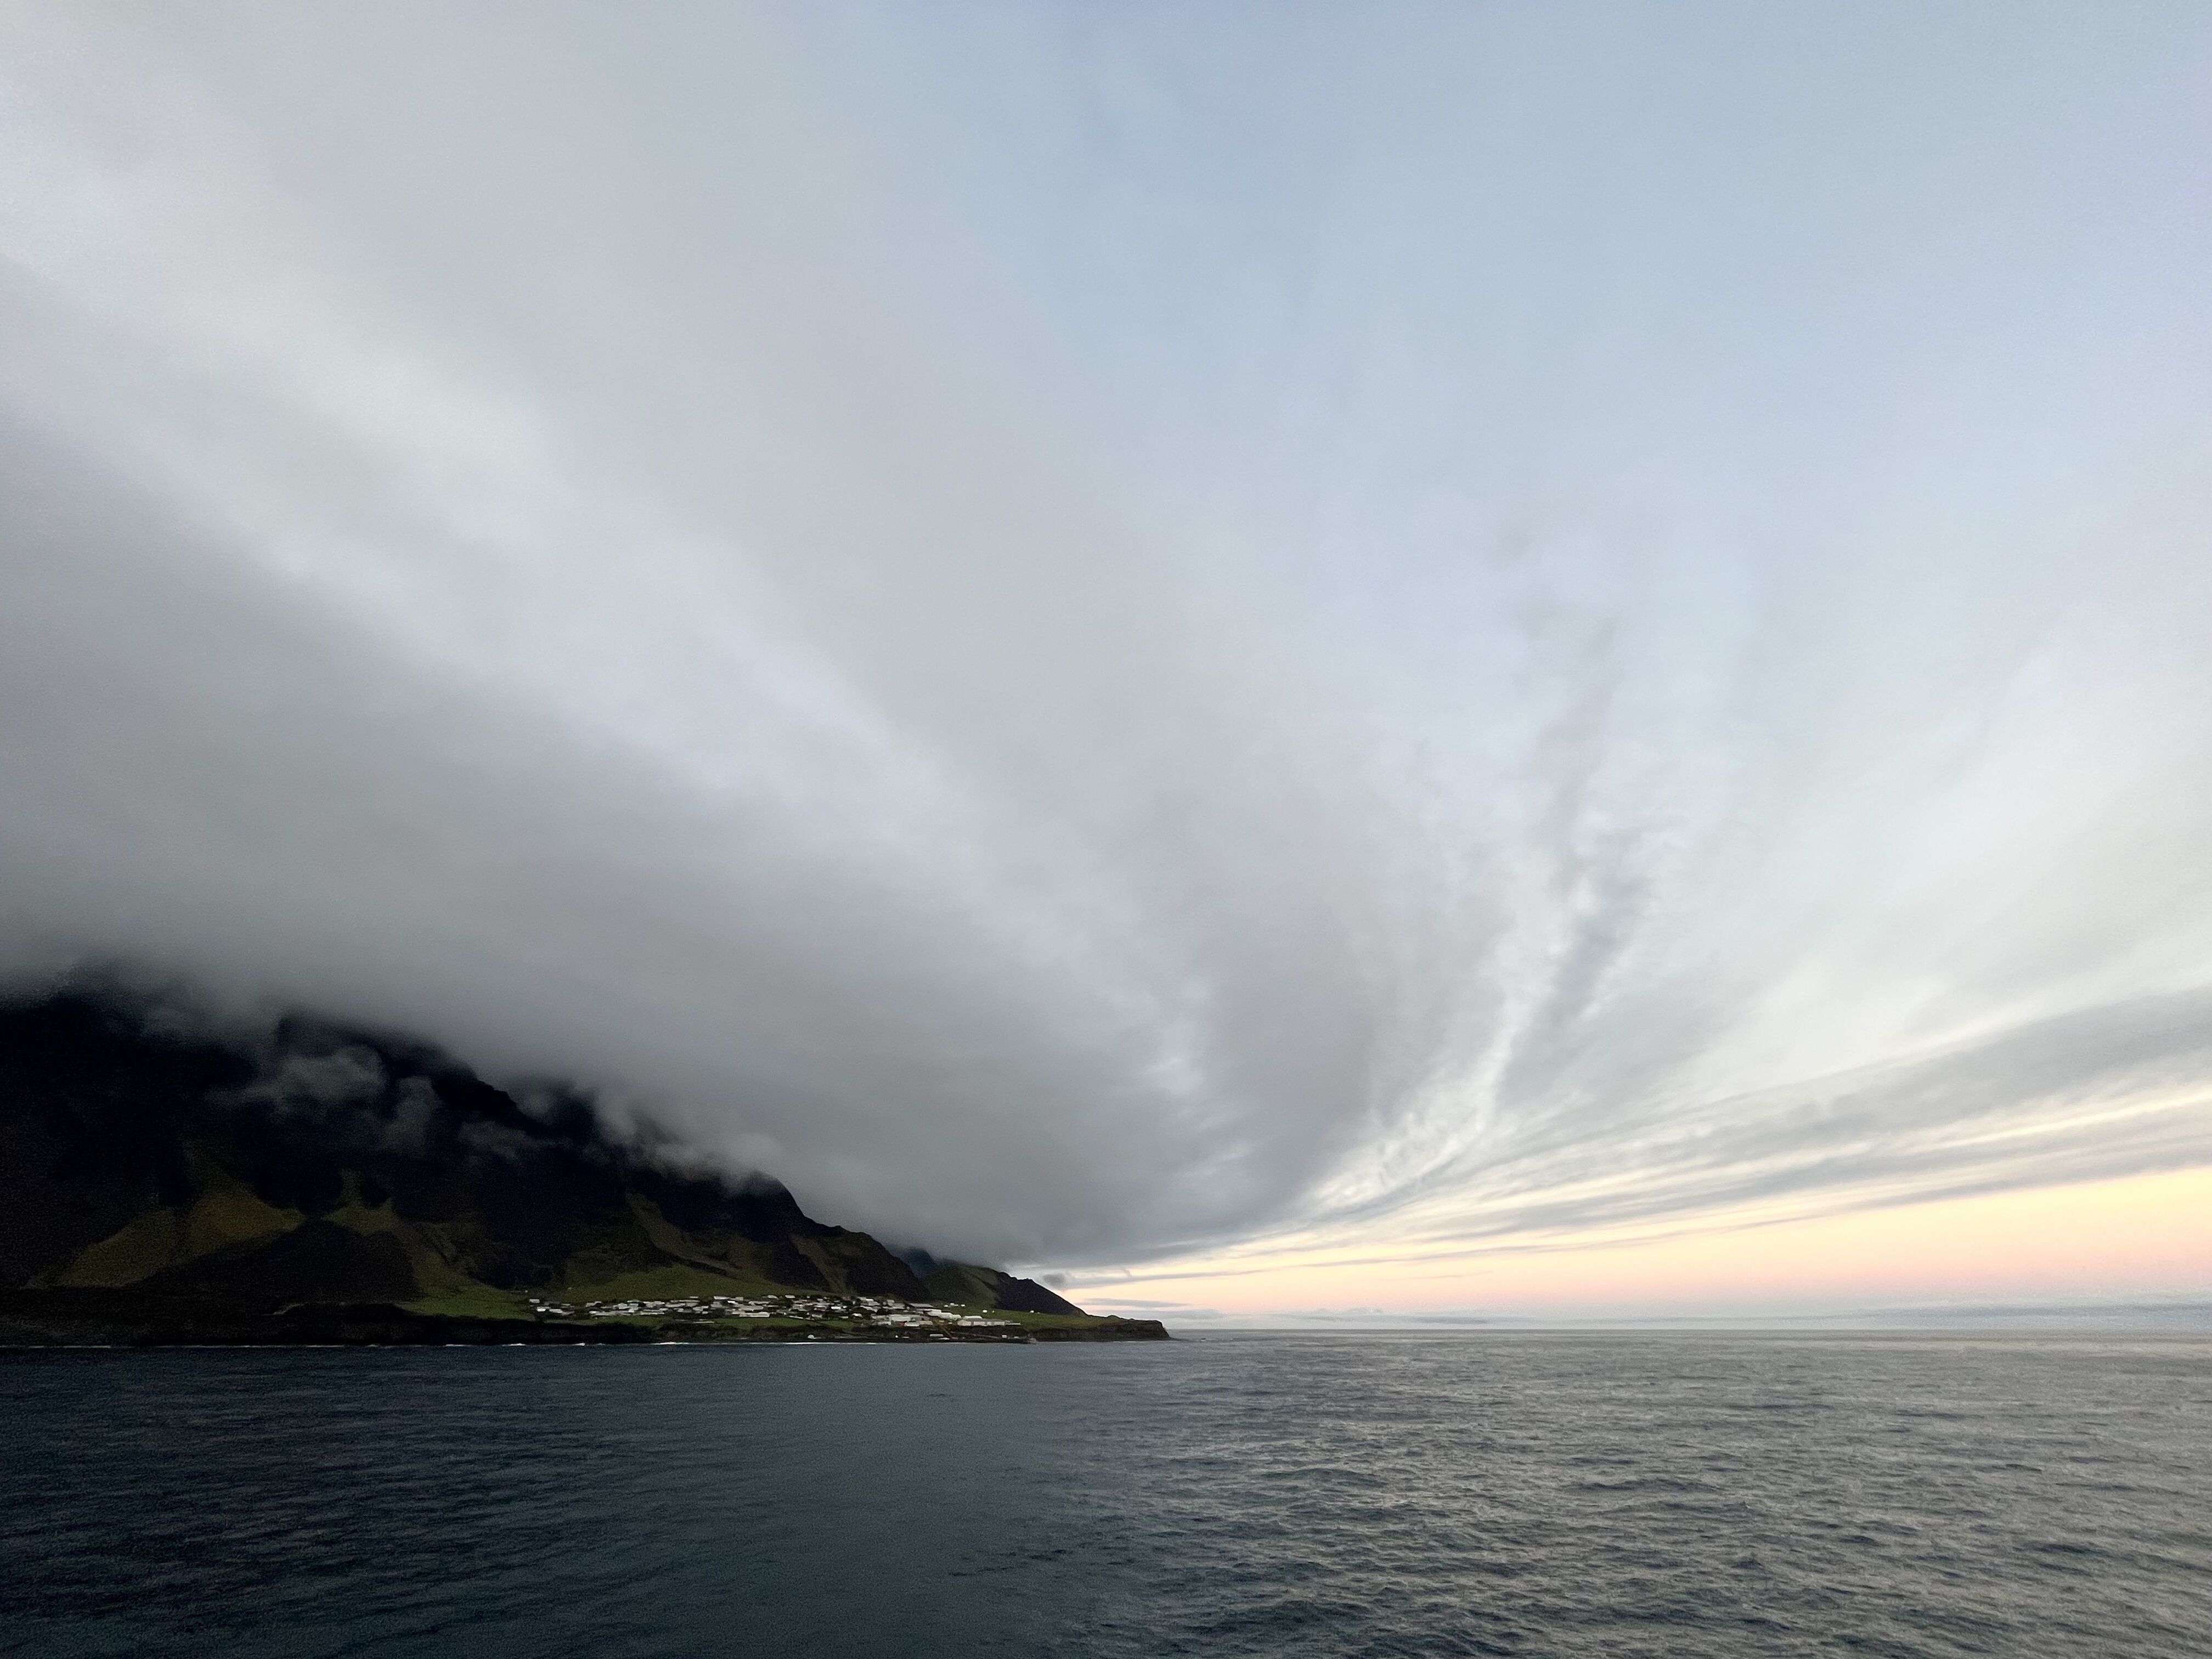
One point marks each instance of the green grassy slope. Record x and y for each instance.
(163, 1169)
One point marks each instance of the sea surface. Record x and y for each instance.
(1525, 1493)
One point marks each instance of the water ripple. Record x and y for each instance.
(1555, 1495)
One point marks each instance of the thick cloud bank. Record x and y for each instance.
(1088, 632)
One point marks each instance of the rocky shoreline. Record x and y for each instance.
(118, 1319)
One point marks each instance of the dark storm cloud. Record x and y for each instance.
(1083, 643)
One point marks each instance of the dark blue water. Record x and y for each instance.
(1567, 1494)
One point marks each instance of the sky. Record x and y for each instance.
(1287, 661)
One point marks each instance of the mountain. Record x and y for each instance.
(988, 1287)
(154, 1167)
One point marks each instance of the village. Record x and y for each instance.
(883, 1312)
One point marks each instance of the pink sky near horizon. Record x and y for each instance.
(2142, 1235)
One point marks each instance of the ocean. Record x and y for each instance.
(1557, 1494)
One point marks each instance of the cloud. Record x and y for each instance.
(1088, 646)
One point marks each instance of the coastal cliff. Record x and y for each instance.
(316, 1183)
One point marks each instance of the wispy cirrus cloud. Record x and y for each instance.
(1096, 638)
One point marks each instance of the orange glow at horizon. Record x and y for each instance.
(2144, 1234)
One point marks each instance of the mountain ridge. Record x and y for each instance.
(150, 1160)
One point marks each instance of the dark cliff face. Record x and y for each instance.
(315, 1162)
(957, 1281)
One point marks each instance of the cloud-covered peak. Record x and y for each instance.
(1087, 645)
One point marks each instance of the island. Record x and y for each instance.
(167, 1181)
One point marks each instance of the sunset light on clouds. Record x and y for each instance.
(1423, 660)
(2132, 1249)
